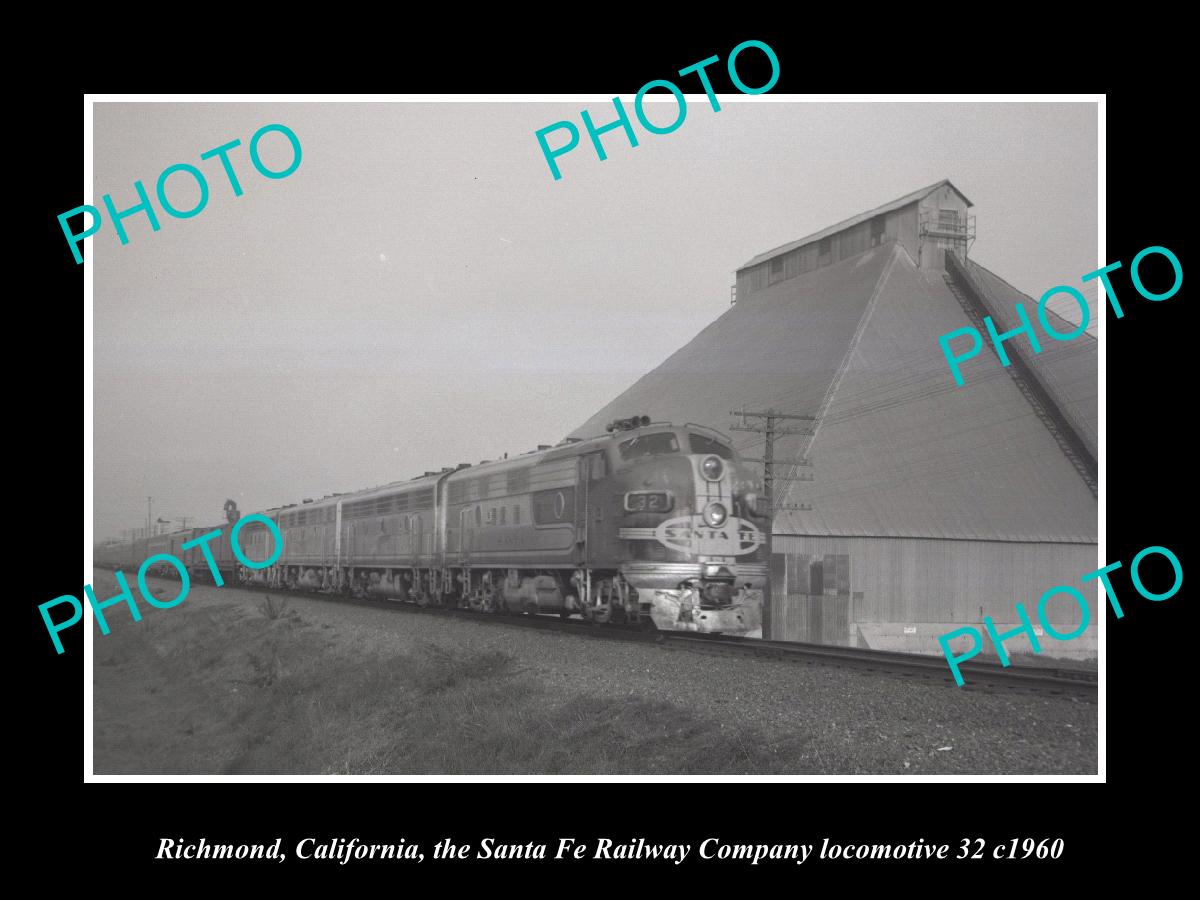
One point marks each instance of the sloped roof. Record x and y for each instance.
(898, 450)
(855, 220)
(1067, 368)
(780, 346)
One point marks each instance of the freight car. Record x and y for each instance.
(649, 523)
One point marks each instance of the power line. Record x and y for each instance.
(771, 431)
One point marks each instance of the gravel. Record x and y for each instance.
(858, 721)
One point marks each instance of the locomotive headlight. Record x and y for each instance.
(714, 514)
(712, 468)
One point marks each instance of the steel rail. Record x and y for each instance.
(978, 676)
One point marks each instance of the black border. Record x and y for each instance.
(1147, 448)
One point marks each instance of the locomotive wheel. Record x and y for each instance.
(496, 605)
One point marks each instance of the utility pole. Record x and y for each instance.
(184, 520)
(149, 502)
(768, 427)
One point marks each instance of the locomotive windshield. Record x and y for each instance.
(649, 445)
(701, 444)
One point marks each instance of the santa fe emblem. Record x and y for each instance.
(692, 534)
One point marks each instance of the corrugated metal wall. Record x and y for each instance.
(823, 588)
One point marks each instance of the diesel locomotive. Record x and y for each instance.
(651, 523)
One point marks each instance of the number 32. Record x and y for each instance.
(965, 849)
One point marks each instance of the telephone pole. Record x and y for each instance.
(149, 502)
(767, 425)
(771, 431)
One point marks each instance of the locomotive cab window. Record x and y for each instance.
(701, 444)
(649, 445)
(597, 466)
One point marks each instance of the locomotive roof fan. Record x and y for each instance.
(628, 424)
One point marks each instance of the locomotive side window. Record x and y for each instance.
(649, 445)
(517, 481)
(554, 506)
(701, 444)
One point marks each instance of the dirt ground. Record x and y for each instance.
(234, 682)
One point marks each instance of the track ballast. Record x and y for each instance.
(979, 676)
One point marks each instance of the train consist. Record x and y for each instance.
(649, 523)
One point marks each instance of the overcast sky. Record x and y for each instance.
(422, 292)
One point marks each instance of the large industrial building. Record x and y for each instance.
(930, 506)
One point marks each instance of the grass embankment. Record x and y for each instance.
(229, 689)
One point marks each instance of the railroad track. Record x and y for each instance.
(979, 676)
